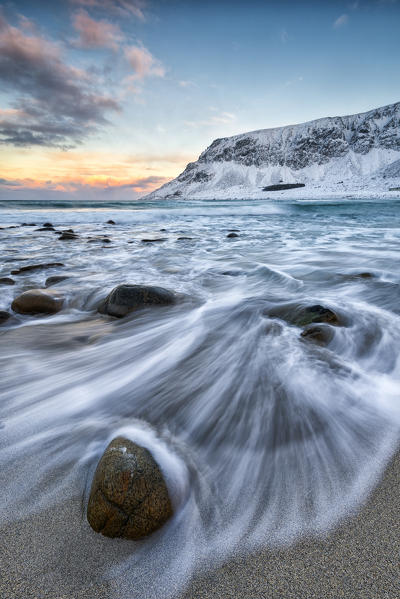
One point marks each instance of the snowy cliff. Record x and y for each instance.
(331, 156)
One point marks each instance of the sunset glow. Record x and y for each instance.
(119, 96)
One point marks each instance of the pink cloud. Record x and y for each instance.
(143, 63)
(53, 103)
(96, 34)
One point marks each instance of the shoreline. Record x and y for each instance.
(359, 559)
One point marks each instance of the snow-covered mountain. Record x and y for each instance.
(331, 156)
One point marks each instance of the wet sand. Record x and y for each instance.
(48, 557)
(359, 560)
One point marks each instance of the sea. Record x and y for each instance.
(264, 434)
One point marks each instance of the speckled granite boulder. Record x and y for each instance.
(127, 298)
(129, 497)
(38, 301)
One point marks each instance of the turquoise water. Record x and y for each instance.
(263, 435)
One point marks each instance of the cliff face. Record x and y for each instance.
(357, 147)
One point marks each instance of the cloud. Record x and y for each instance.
(186, 83)
(9, 183)
(54, 104)
(284, 36)
(71, 186)
(122, 7)
(221, 119)
(143, 63)
(341, 21)
(293, 81)
(96, 34)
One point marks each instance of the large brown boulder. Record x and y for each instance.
(38, 301)
(129, 497)
(127, 298)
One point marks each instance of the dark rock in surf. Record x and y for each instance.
(127, 298)
(28, 225)
(4, 316)
(31, 267)
(48, 225)
(67, 236)
(55, 279)
(45, 229)
(7, 281)
(319, 334)
(38, 301)
(99, 240)
(156, 240)
(129, 497)
(184, 238)
(232, 235)
(302, 316)
(110, 222)
(316, 313)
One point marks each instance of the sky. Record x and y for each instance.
(109, 99)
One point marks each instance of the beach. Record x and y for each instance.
(265, 386)
(358, 559)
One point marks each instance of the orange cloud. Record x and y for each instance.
(73, 171)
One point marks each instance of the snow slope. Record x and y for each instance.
(332, 156)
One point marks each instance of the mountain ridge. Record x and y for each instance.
(359, 152)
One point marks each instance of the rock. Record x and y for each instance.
(153, 240)
(7, 281)
(4, 316)
(55, 279)
(127, 298)
(230, 235)
(36, 267)
(233, 230)
(321, 334)
(280, 186)
(99, 240)
(360, 275)
(302, 316)
(68, 231)
(45, 229)
(48, 225)
(38, 301)
(28, 225)
(110, 222)
(66, 236)
(184, 238)
(129, 497)
(317, 313)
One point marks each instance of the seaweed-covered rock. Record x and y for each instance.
(129, 497)
(127, 298)
(38, 301)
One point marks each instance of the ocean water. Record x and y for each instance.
(263, 436)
